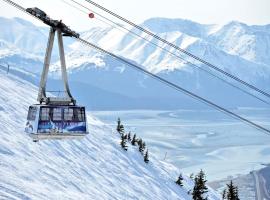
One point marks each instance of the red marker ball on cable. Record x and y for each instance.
(91, 15)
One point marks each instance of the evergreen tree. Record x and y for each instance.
(196, 194)
(120, 127)
(191, 176)
(129, 136)
(224, 194)
(180, 180)
(140, 143)
(236, 193)
(133, 141)
(200, 188)
(143, 146)
(146, 157)
(232, 193)
(123, 142)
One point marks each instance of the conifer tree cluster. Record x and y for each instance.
(134, 141)
(141, 145)
(231, 193)
(200, 190)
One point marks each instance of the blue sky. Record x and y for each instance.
(203, 11)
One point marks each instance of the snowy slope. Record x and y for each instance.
(93, 168)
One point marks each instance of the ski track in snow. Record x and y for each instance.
(92, 168)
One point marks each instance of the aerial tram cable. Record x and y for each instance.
(166, 82)
(69, 4)
(192, 64)
(137, 36)
(174, 86)
(177, 87)
(180, 49)
(89, 14)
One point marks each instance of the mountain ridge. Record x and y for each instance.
(240, 59)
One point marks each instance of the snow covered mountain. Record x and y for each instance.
(14, 31)
(21, 38)
(92, 168)
(234, 39)
(235, 47)
(249, 42)
(206, 41)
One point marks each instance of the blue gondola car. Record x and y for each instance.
(56, 122)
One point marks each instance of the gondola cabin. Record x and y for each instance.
(56, 122)
(55, 117)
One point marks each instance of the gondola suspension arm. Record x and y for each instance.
(42, 97)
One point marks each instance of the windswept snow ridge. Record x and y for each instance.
(92, 168)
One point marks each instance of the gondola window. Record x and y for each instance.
(45, 114)
(57, 114)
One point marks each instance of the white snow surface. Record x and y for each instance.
(92, 168)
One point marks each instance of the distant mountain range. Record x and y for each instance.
(104, 83)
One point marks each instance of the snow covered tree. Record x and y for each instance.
(120, 127)
(191, 176)
(129, 136)
(232, 193)
(124, 142)
(196, 194)
(200, 188)
(180, 180)
(140, 143)
(133, 141)
(146, 157)
(143, 146)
